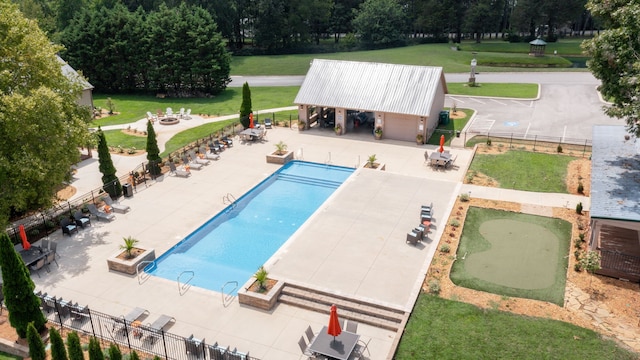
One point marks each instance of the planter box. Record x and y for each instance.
(129, 266)
(381, 166)
(280, 159)
(264, 301)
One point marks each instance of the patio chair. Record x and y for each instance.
(216, 352)
(37, 266)
(181, 114)
(412, 237)
(67, 227)
(427, 208)
(44, 244)
(208, 155)
(192, 164)
(101, 215)
(352, 326)
(169, 112)
(267, 123)
(50, 258)
(187, 115)
(361, 348)
(310, 334)
(426, 156)
(157, 327)
(198, 159)
(227, 141)
(117, 207)
(302, 343)
(214, 148)
(81, 220)
(135, 314)
(151, 117)
(219, 144)
(178, 172)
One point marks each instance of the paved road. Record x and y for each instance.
(567, 107)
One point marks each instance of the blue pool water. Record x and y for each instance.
(233, 244)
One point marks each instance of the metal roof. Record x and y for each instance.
(365, 86)
(73, 75)
(615, 174)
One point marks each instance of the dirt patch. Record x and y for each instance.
(134, 253)
(579, 172)
(66, 193)
(456, 114)
(255, 287)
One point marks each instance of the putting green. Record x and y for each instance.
(522, 255)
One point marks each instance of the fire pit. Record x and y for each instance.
(169, 121)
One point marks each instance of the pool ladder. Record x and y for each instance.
(229, 199)
(183, 287)
(142, 275)
(228, 298)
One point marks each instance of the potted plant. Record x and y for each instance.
(281, 155)
(338, 129)
(378, 133)
(301, 125)
(371, 161)
(261, 278)
(260, 291)
(419, 139)
(129, 245)
(127, 259)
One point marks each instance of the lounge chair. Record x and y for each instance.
(214, 148)
(197, 159)
(190, 163)
(157, 327)
(135, 314)
(219, 144)
(412, 237)
(187, 115)
(119, 208)
(37, 266)
(178, 172)
(209, 155)
(101, 215)
(68, 227)
(63, 308)
(227, 141)
(267, 123)
(81, 220)
(217, 352)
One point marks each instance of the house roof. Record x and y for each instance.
(365, 86)
(615, 174)
(73, 75)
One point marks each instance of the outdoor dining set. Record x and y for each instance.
(438, 159)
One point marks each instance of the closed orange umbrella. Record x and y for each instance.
(23, 236)
(251, 121)
(441, 144)
(334, 325)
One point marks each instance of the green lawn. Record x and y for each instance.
(513, 170)
(426, 55)
(444, 329)
(449, 129)
(507, 90)
(523, 240)
(562, 46)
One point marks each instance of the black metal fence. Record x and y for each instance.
(538, 142)
(134, 335)
(613, 260)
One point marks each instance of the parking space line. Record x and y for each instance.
(527, 132)
(499, 102)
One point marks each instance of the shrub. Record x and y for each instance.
(559, 148)
(488, 142)
(577, 243)
(36, 346)
(58, 351)
(579, 208)
(577, 254)
(131, 151)
(580, 188)
(464, 197)
(73, 346)
(454, 223)
(581, 236)
(445, 248)
(261, 277)
(577, 267)
(434, 286)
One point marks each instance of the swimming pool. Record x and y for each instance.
(233, 244)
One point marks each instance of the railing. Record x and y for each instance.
(228, 298)
(229, 199)
(536, 141)
(114, 329)
(143, 275)
(183, 287)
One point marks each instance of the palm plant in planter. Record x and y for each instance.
(261, 277)
(378, 133)
(371, 161)
(129, 245)
(281, 148)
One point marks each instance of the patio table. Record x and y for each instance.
(32, 255)
(438, 158)
(340, 348)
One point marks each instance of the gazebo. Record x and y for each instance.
(536, 47)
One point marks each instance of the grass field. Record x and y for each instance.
(513, 170)
(505, 260)
(450, 330)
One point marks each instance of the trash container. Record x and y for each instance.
(444, 117)
(128, 190)
(457, 133)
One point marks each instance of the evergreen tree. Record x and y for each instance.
(58, 351)
(36, 346)
(111, 183)
(245, 108)
(73, 346)
(114, 352)
(95, 352)
(134, 355)
(22, 303)
(153, 152)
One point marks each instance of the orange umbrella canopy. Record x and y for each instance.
(23, 236)
(441, 144)
(334, 325)
(251, 121)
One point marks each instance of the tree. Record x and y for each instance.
(153, 152)
(58, 351)
(74, 347)
(114, 352)
(134, 355)
(245, 107)
(95, 352)
(380, 23)
(111, 183)
(22, 303)
(614, 58)
(42, 124)
(36, 346)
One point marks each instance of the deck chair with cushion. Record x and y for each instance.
(412, 237)
(178, 172)
(81, 220)
(219, 144)
(68, 227)
(157, 327)
(267, 123)
(208, 155)
(236, 355)
(217, 352)
(120, 323)
(194, 346)
(227, 141)
(196, 158)
(117, 207)
(101, 215)
(214, 148)
(191, 164)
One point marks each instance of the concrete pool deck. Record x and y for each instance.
(353, 245)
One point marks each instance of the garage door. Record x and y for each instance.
(400, 127)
